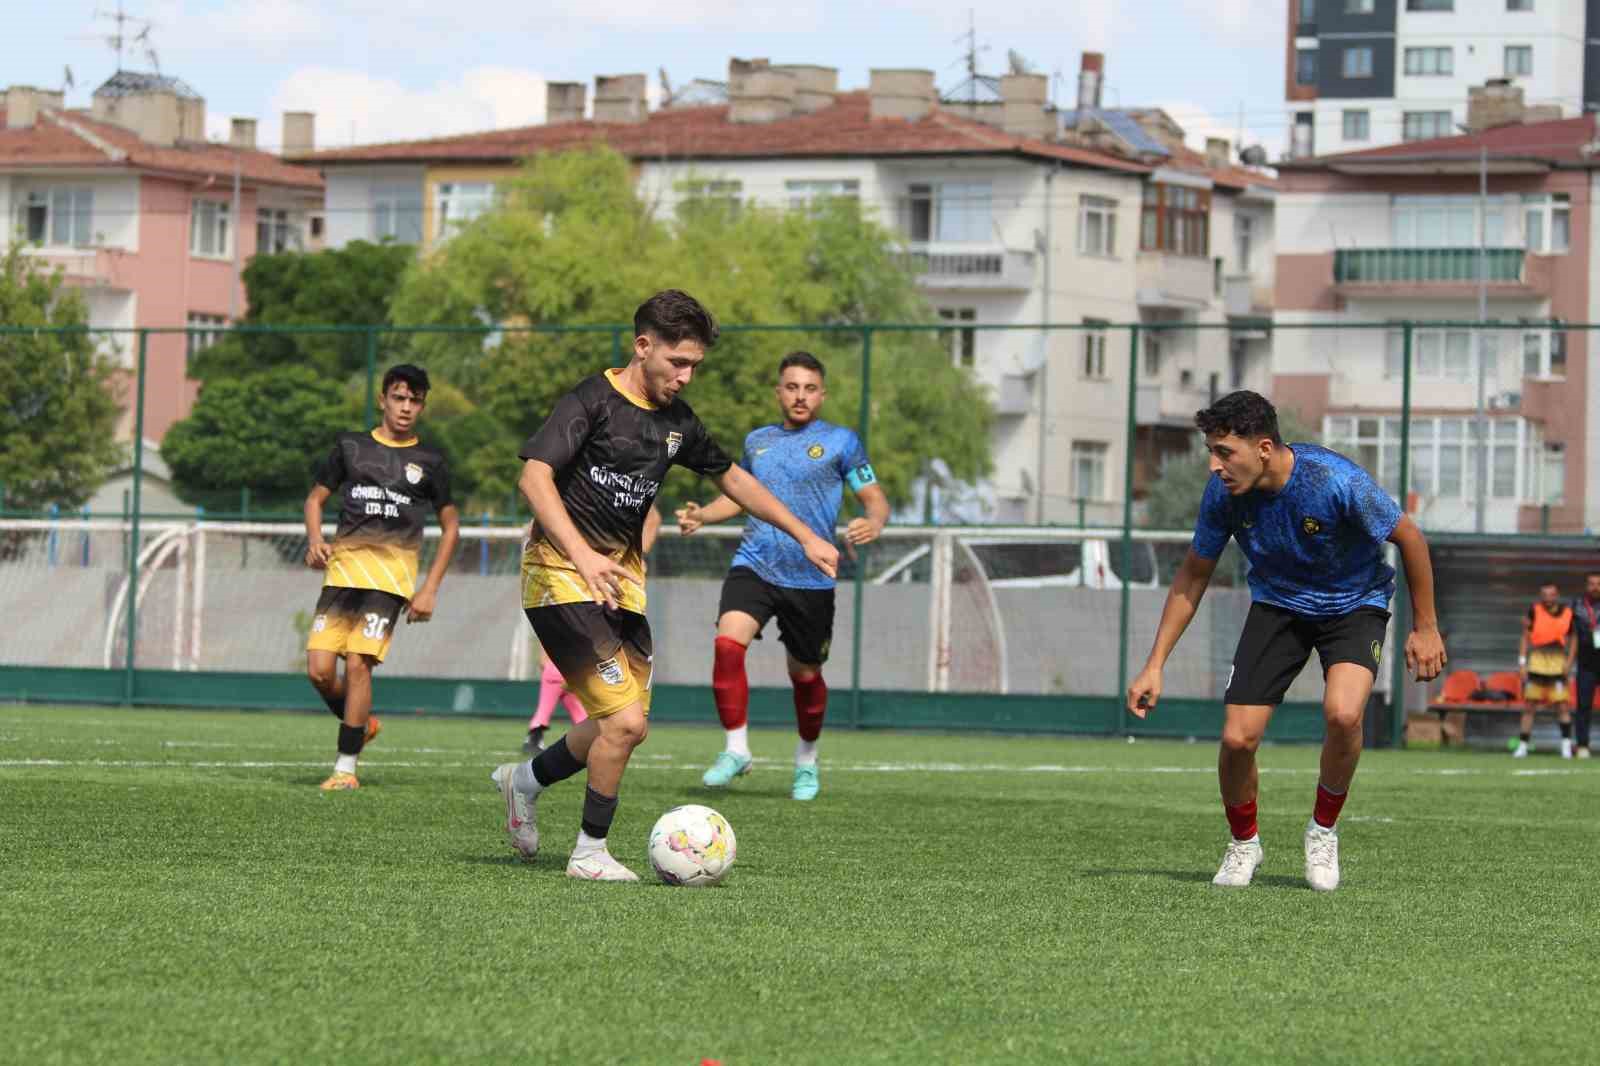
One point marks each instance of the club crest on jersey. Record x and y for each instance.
(610, 671)
(674, 442)
(816, 451)
(1311, 526)
(413, 473)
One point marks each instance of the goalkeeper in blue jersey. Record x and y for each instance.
(806, 463)
(1314, 526)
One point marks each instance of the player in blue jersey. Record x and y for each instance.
(1313, 526)
(806, 463)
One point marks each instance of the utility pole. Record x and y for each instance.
(1480, 423)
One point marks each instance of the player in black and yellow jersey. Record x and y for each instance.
(591, 473)
(387, 481)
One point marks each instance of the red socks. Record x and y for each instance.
(810, 703)
(1242, 819)
(730, 686)
(1329, 804)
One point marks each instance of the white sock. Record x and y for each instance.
(739, 741)
(587, 844)
(805, 753)
(523, 781)
(345, 764)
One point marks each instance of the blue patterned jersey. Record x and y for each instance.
(807, 469)
(1315, 548)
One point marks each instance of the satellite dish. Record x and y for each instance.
(1253, 156)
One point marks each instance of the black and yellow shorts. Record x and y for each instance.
(604, 656)
(354, 621)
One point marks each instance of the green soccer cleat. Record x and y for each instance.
(806, 785)
(727, 767)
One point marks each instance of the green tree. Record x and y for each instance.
(58, 409)
(1173, 499)
(267, 431)
(571, 244)
(349, 286)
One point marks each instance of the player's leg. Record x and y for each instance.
(573, 706)
(551, 691)
(744, 608)
(322, 667)
(324, 646)
(1563, 709)
(357, 624)
(1530, 707)
(1273, 648)
(1585, 714)
(805, 625)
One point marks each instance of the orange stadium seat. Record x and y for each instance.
(1505, 681)
(1459, 686)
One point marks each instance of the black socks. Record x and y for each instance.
(598, 811)
(555, 763)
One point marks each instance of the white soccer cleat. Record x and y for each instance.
(598, 865)
(522, 827)
(1566, 748)
(1322, 858)
(1239, 863)
(1520, 751)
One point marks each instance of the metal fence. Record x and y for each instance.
(1020, 599)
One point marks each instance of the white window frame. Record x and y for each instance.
(211, 233)
(1544, 354)
(1515, 450)
(1356, 62)
(804, 193)
(1090, 458)
(1542, 212)
(457, 203)
(1411, 218)
(65, 213)
(962, 341)
(1244, 240)
(195, 343)
(397, 212)
(1431, 61)
(1519, 56)
(1103, 211)
(1425, 125)
(279, 229)
(1094, 350)
(1359, 117)
(1553, 474)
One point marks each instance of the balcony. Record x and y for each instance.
(81, 266)
(970, 266)
(1243, 297)
(1427, 266)
(1014, 396)
(1179, 282)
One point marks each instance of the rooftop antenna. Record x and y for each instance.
(666, 87)
(130, 30)
(974, 49)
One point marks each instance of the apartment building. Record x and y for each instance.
(1009, 214)
(148, 220)
(1393, 234)
(1365, 73)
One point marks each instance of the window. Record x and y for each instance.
(1430, 5)
(1444, 454)
(952, 211)
(1303, 138)
(456, 203)
(805, 193)
(397, 212)
(1094, 348)
(1357, 62)
(1089, 469)
(1244, 229)
(204, 332)
(276, 231)
(1444, 222)
(1519, 60)
(1544, 354)
(962, 343)
(1308, 11)
(1547, 223)
(1153, 342)
(1424, 125)
(1519, 5)
(1358, 7)
(1176, 219)
(1430, 61)
(1357, 125)
(1097, 226)
(59, 216)
(1439, 355)
(1305, 66)
(1553, 478)
(211, 229)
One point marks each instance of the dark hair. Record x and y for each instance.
(1551, 585)
(674, 316)
(1244, 413)
(804, 360)
(414, 377)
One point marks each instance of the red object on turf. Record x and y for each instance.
(1241, 819)
(730, 686)
(810, 704)
(1328, 807)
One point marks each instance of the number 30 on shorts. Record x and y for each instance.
(376, 624)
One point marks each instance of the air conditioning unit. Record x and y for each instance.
(1505, 401)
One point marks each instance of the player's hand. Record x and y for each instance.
(689, 518)
(862, 531)
(604, 577)
(422, 604)
(318, 554)
(1145, 692)
(823, 556)
(1425, 656)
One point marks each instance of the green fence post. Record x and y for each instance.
(372, 376)
(1402, 594)
(133, 538)
(864, 431)
(244, 516)
(1120, 721)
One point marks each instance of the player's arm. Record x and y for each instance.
(865, 530)
(691, 516)
(1183, 600)
(422, 604)
(603, 575)
(753, 496)
(318, 551)
(652, 529)
(1424, 646)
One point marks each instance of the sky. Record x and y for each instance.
(381, 70)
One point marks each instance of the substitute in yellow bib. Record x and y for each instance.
(387, 482)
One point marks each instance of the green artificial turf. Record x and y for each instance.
(174, 888)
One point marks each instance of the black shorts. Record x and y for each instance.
(1276, 643)
(805, 616)
(605, 657)
(354, 621)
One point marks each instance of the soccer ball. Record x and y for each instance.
(692, 845)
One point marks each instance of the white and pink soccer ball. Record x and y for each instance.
(692, 846)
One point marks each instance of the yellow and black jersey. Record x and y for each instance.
(610, 451)
(385, 491)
